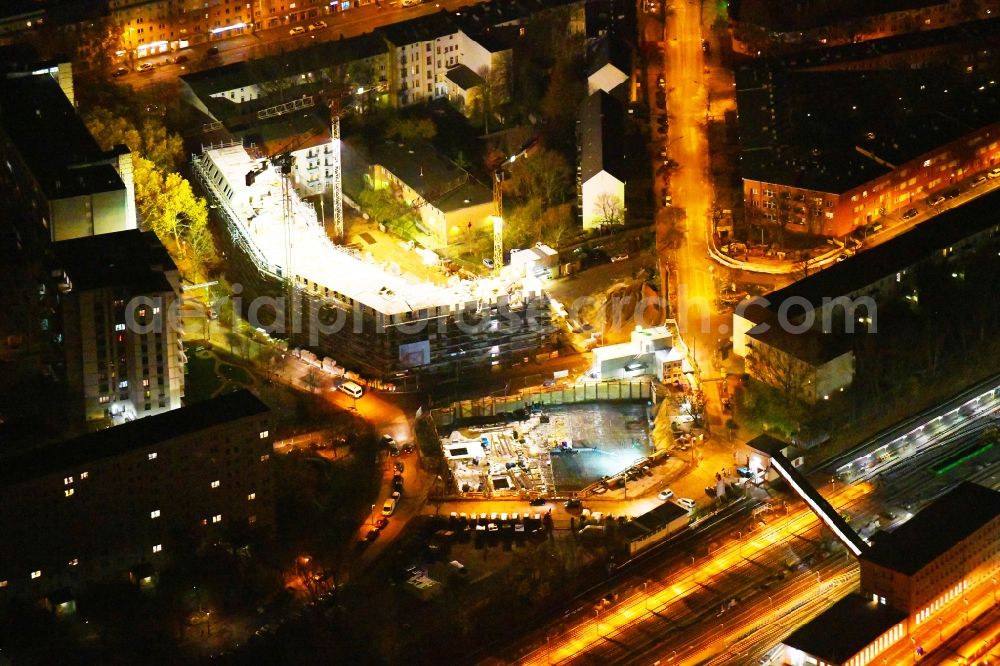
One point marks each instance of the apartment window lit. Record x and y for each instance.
(67, 480)
(152, 456)
(3, 583)
(154, 513)
(215, 484)
(68, 492)
(251, 519)
(123, 383)
(84, 475)
(265, 457)
(217, 518)
(74, 562)
(157, 548)
(119, 327)
(263, 434)
(36, 574)
(156, 310)
(252, 496)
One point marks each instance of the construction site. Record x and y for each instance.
(364, 312)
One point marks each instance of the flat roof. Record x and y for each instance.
(463, 77)
(845, 629)
(610, 50)
(929, 534)
(52, 139)
(811, 346)
(342, 270)
(653, 520)
(832, 131)
(420, 29)
(603, 136)
(130, 258)
(137, 434)
(898, 254)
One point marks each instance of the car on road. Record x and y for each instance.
(389, 507)
(488, 263)
(145, 67)
(397, 483)
(686, 502)
(399, 467)
(620, 257)
(979, 180)
(318, 25)
(409, 3)
(212, 51)
(408, 449)
(181, 58)
(993, 173)
(573, 504)
(372, 534)
(297, 30)
(952, 193)
(909, 213)
(935, 200)
(538, 501)
(121, 71)
(382, 523)
(665, 494)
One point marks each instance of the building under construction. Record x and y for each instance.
(295, 282)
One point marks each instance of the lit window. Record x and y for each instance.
(119, 327)
(265, 457)
(152, 456)
(217, 518)
(252, 519)
(67, 480)
(74, 562)
(215, 484)
(84, 475)
(155, 513)
(123, 383)
(68, 492)
(145, 381)
(3, 583)
(157, 548)
(252, 496)
(156, 310)
(263, 434)
(36, 574)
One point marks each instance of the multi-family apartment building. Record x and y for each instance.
(121, 501)
(830, 152)
(821, 308)
(119, 327)
(53, 171)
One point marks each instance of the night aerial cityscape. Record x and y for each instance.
(500, 332)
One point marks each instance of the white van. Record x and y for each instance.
(352, 389)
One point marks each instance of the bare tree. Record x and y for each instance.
(609, 208)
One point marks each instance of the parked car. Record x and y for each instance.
(410, 3)
(408, 449)
(952, 193)
(181, 58)
(599, 490)
(372, 534)
(993, 173)
(686, 502)
(212, 51)
(979, 180)
(318, 25)
(935, 200)
(145, 67)
(488, 263)
(661, 82)
(121, 71)
(666, 494)
(538, 501)
(668, 200)
(389, 507)
(397, 483)
(297, 30)
(382, 523)
(399, 467)
(573, 504)
(909, 213)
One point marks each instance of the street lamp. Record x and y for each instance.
(373, 515)
(597, 620)
(940, 629)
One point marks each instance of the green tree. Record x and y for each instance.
(406, 129)
(170, 208)
(545, 175)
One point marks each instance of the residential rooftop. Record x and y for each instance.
(602, 121)
(652, 521)
(134, 435)
(811, 346)
(965, 37)
(430, 174)
(809, 14)
(610, 50)
(463, 77)
(844, 629)
(52, 139)
(832, 131)
(857, 273)
(132, 259)
(421, 29)
(951, 518)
